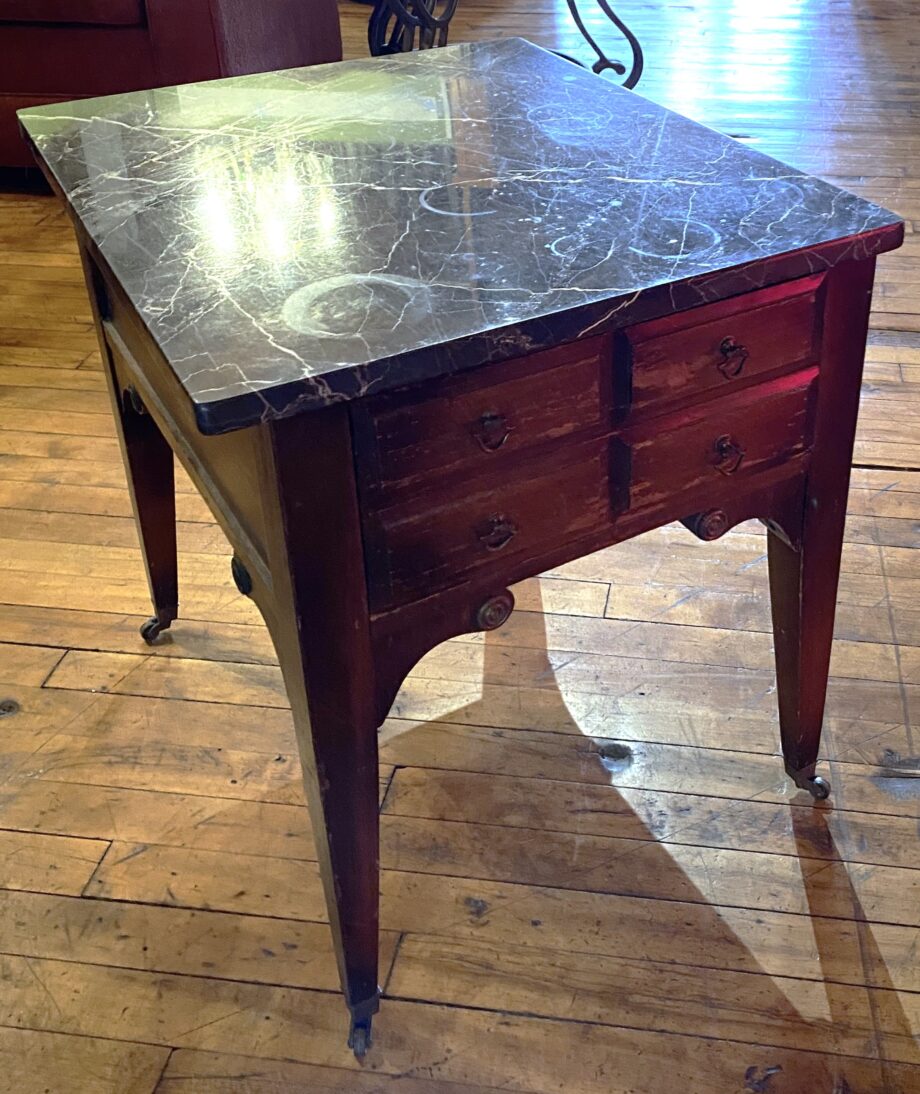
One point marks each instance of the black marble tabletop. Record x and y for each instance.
(297, 238)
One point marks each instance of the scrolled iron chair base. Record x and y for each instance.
(398, 26)
(603, 62)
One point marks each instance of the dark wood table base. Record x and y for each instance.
(317, 536)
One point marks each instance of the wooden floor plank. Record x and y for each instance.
(780, 944)
(735, 1006)
(754, 825)
(608, 865)
(298, 1025)
(111, 632)
(28, 665)
(191, 1072)
(213, 1073)
(41, 376)
(152, 938)
(210, 772)
(116, 757)
(39, 1063)
(137, 721)
(48, 864)
(665, 872)
(644, 691)
(256, 826)
(176, 876)
(715, 609)
(97, 501)
(217, 604)
(49, 470)
(194, 822)
(880, 676)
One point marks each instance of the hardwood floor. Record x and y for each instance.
(597, 879)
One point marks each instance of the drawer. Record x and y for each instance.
(715, 348)
(585, 490)
(720, 443)
(414, 548)
(477, 423)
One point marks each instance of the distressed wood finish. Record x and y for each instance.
(474, 425)
(803, 583)
(317, 613)
(723, 345)
(328, 592)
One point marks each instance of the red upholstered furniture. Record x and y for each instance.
(53, 50)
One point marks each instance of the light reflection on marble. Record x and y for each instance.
(297, 238)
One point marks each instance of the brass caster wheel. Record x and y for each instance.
(816, 786)
(152, 630)
(359, 1037)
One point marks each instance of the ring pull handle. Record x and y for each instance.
(491, 430)
(727, 454)
(734, 356)
(496, 532)
(132, 400)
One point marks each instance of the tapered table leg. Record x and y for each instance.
(803, 582)
(803, 589)
(150, 470)
(317, 614)
(338, 753)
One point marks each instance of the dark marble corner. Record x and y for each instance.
(299, 238)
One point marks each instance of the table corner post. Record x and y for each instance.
(318, 616)
(804, 572)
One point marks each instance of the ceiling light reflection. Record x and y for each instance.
(265, 213)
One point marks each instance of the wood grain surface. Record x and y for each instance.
(596, 877)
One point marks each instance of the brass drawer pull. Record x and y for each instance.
(133, 400)
(734, 356)
(496, 532)
(727, 454)
(491, 431)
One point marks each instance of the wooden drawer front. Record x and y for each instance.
(715, 348)
(471, 425)
(721, 443)
(413, 550)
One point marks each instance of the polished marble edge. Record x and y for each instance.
(225, 398)
(586, 321)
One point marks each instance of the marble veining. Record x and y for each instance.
(302, 237)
